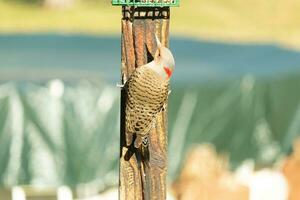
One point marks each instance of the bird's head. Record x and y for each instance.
(164, 60)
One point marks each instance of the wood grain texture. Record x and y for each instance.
(138, 180)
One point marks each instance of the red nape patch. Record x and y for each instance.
(168, 71)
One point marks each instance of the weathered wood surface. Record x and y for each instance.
(137, 180)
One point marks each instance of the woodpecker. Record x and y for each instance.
(147, 94)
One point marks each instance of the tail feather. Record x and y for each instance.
(145, 153)
(142, 143)
(138, 142)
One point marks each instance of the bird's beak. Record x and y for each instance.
(157, 55)
(157, 42)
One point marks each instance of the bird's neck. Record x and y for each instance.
(158, 68)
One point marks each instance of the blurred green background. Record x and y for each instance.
(236, 85)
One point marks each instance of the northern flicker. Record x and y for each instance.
(147, 93)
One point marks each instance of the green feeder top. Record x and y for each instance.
(146, 3)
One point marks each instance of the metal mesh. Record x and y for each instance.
(146, 3)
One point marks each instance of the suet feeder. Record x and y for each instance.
(146, 3)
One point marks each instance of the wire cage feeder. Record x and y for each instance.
(146, 3)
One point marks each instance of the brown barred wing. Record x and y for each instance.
(147, 93)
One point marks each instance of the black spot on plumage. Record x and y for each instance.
(147, 93)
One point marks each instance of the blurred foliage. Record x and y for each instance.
(72, 137)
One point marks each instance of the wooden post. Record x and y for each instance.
(139, 26)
